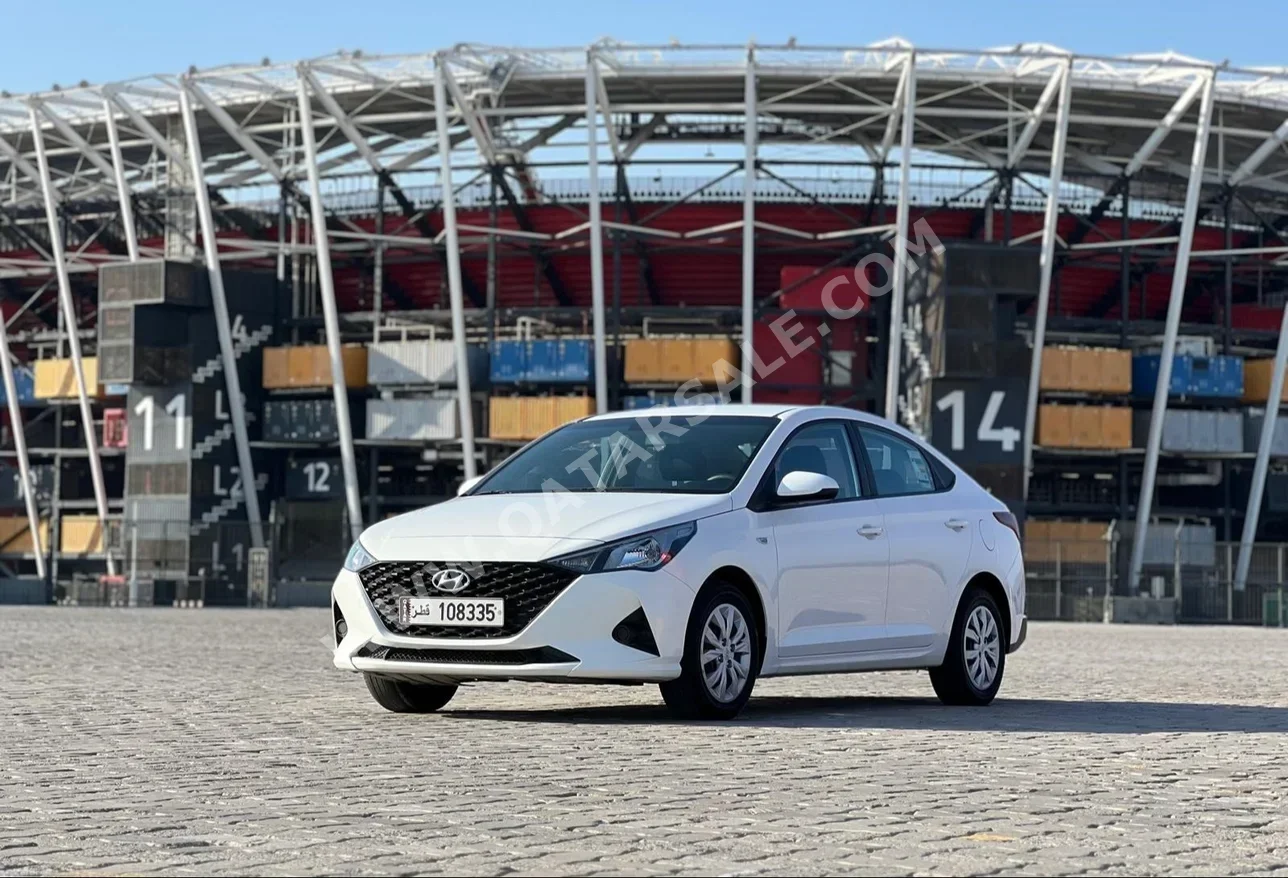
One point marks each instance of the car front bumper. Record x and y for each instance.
(578, 622)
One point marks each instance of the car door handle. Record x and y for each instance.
(871, 531)
(956, 523)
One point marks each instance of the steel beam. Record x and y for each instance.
(750, 125)
(236, 410)
(20, 446)
(1259, 155)
(122, 188)
(1030, 130)
(330, 313)
(596, 233)
(454, 286)
(1193, 190)
(906, 140)
(73, 338)
(1262, 465)
(1047, 264)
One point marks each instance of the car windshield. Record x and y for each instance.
(674, 454)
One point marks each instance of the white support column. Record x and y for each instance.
(236, 409)
(455, 287)
(1262, 464)
(1047, 264)
(330, 314)
(73, 337)
(1179, 274)
(596, 233)
(20, 445)
(122, 188)
(751, 117)
(906, 140)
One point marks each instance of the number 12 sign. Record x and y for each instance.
(979, 421)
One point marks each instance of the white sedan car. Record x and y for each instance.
(694, 547)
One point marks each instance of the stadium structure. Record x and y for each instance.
(341, 245)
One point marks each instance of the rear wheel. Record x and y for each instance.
(402, 697)
(972, 670)
(721, 657)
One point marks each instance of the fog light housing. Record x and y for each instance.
(339, 625)
(634, 631)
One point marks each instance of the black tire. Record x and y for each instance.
(689, 696)
(953, 680)
(403, 697)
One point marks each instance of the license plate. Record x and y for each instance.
(464, 612)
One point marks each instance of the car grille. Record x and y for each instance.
(527, 589)
(541, 655)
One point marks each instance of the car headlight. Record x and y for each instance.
(358, 558)
(646, 551)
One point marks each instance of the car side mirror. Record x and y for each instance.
(467, 485)
(799, 486)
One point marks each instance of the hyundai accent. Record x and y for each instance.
(696, 547)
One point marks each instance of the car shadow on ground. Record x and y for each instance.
(1004, 715)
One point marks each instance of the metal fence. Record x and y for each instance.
(1088, 581)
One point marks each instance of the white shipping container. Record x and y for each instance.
(412, 419)
(411, 362)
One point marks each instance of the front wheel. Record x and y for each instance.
(721, 657)
(401, 697)
(972, 670)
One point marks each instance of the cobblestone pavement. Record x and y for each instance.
(192, 742)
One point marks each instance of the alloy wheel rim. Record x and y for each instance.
(726, 653)
(982, 648)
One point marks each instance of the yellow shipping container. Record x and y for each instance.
(676, 356)
(15, 535)
(503, 418)
(715, 360)
(56, 379)
(1115, 427)
(1055, 369)
(1256, 380)
(1115, 371)
(644, 360)
(1055, 426)
(80, 535)
(277, 372)
(527, 417)
(1084, 369)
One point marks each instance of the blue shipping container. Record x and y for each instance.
(1144, 374)
(25, 383)
(543, 361)
(1220, 376)
(509, 362)
(574, 356)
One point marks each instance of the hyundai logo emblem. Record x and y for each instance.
(450, 581)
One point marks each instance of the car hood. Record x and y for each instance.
(530, 527)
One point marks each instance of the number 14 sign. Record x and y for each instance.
(979, 421)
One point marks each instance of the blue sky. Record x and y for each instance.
(65, 41)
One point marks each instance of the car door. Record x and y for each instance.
(832, 555)
(930, 538)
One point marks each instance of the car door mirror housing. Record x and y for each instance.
(800, 487)
(467, 485)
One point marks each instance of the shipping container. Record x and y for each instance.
(421, 362)
(1069, 542)
(1252, 422)
(154, 281)
(428, 418)
(643, 360)
(307, 420)
(310, 366)
(15, 535)
(527, 417)
(1195, 544)
(56, 379)
(1084, 426)
(24, 381)
(1217, 377)
(1256, 381)
(509, 361)
(1144, 374)
(80, 535)
(1193, 430)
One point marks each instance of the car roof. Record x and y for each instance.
(755, 409)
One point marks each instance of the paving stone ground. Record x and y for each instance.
(221, 741)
